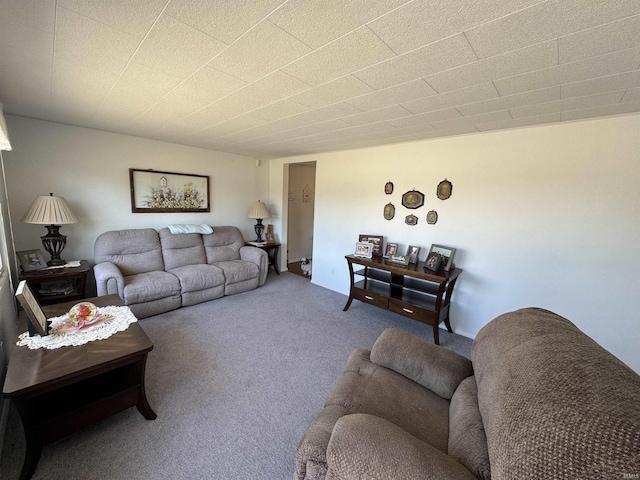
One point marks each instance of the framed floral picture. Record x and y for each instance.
(153, 191)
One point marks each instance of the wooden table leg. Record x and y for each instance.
(33, 446)
(143, 405)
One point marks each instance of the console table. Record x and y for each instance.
(57, 392)
(407, 290)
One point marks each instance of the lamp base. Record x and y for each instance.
(54, 243)
(259, 228)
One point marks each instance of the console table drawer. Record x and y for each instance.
(412, 311)
(370, 297)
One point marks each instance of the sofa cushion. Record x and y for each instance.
(368, 388)
(554, 403)
(223, 245)
(198, 277)
(238, 271)
(467, 438)
(368, 447)
(148, 286)
(180, 250)
(432, 366)
(133, 251)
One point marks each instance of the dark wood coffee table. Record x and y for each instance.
(57, 392)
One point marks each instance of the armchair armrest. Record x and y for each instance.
(104, 272)
(432, 366)
(366, 446)
(258, 256)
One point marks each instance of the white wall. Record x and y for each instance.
(90, 168)
(545, 216)
(300, 217)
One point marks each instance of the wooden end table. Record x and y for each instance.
(272, 252)
(76, 276)
(60, 391)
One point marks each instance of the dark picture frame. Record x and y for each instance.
(447, 255)
(31, 260)
(377, 243)
(388, 188)
(413, 252)
(154, 191)
(392, 249)
(433, 262)
(35, 316)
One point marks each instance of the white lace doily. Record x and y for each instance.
(121, 318)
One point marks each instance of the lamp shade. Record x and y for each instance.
(49, 210)
(259, 210)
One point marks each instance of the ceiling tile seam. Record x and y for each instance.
(600, 25)
(431, 86)
(95, 19)
(53, 53)
(589, 80)
(464, 34)
(564, 65)
(383, 42)
(146, 35)
(206, 64)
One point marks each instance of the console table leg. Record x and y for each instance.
(346, 307)
(448, 324)
(32, 455)
(436, 335)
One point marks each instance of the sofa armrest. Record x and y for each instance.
(109, 279)
(258, 256)
(365, 446)
(432, 366)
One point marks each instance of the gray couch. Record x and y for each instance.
(157, 271)
(541, 400)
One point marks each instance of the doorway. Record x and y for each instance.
(301, 199)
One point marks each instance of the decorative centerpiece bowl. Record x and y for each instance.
(83, 313)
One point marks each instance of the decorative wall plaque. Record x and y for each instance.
(445, 188)
(413, 199)
(432, 217)
(411, 220)
(389, 211)
(388, 188)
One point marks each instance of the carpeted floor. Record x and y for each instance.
(235, 383)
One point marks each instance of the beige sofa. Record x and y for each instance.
(157, 271)
(540, 400)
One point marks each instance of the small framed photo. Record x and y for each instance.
(447, 255)
(433, 262)
(377, 243)
(364, 249)
(392, 249)
(412, 253)
(31, 260)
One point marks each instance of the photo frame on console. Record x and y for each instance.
(31, 260)
(447, 255)
(377, 243)
(433, 262)
(364, 249)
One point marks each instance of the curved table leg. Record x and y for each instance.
(32, 455)
(143, 405)
(346, 307)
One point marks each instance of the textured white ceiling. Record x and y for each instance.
(270, 78)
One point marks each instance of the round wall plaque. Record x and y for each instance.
(445, 188)
(413, 199)
(411, 220)
(389, 211)
(432, 217)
